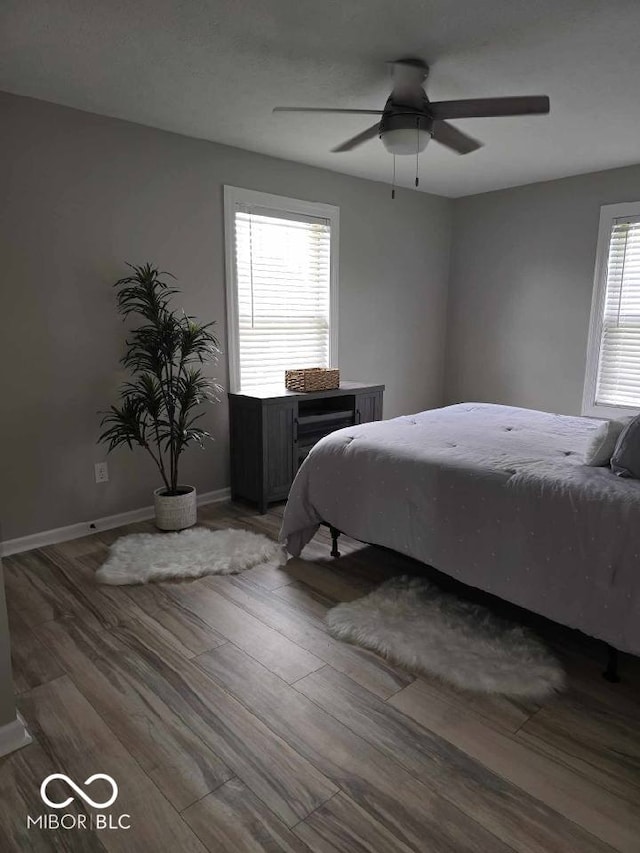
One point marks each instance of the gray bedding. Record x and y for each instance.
(497, 497)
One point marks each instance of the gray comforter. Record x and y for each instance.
(497, 497)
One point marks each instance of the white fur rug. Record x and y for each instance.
(144, 557)
(416, 625)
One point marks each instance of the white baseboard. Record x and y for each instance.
(13, 735)
(85, 528)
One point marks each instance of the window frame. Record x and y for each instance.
(234, 196)
(608, 214)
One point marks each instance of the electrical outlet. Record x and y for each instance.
(102, 472)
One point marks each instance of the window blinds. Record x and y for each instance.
(283, 292)
(618, 381)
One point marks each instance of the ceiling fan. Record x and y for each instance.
(409, 119)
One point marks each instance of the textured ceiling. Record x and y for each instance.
(215, 68)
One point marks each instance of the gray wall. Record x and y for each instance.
(82, 194)
(522, 267)
(7, 701)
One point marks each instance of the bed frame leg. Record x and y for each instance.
(334, 541)
(611, 672)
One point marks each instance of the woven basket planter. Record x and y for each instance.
(175, 512)
(312, 379)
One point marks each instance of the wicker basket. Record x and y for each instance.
(175, 512)
(312, 379)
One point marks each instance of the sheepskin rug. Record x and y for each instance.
(144, 557)
(425, 630)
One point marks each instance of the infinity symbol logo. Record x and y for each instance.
(79, 791)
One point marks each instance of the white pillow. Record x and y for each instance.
(602, 443)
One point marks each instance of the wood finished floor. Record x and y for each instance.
(232, 722)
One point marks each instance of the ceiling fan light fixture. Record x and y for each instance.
(409, 119)
(405, 140)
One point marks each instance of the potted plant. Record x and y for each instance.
(160, 407)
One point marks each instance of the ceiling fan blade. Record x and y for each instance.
(488, 107)
(325, 110)
(369, 133)
(447, 134)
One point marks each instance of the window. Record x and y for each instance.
(281, 269)
(612, 383)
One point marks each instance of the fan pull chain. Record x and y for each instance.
(393, 184)
(417, 149)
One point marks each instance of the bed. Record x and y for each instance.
(497, 497)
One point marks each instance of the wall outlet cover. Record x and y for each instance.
(102, 472)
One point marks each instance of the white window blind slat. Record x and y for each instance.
(618, 378)
(283, 274)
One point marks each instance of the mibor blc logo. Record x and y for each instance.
(68, 820)
(79, 791)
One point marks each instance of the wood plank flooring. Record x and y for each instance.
(232, 722)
